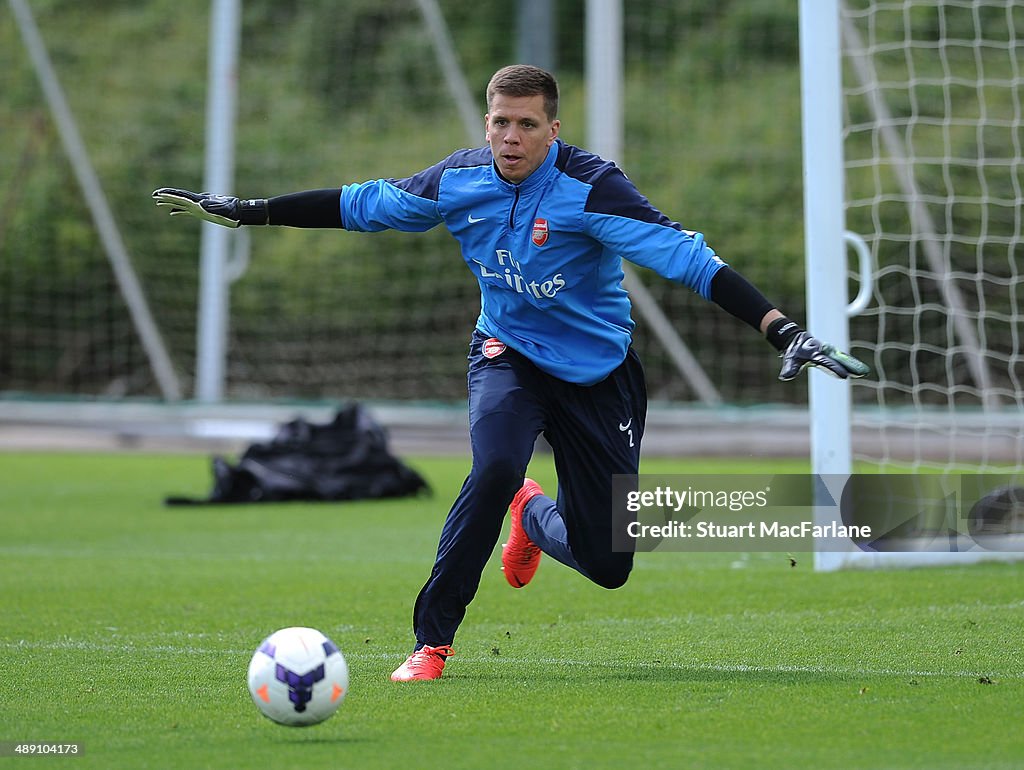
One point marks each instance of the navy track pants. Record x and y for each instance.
(594, 432)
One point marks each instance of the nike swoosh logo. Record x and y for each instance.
(473, 220)
(626, 426)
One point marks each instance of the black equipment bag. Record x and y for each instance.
(346, 459)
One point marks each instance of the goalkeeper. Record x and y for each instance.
(543, 227)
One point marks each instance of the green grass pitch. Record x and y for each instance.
(127, 627)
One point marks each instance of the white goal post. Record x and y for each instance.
(912, 138)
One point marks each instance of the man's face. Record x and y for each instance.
(519, 134)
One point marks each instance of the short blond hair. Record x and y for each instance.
(525, 80)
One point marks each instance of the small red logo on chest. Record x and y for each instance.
(540, 232)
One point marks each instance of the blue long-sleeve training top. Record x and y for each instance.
(547, 252)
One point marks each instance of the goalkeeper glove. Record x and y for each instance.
(799, 350)
(219, 209)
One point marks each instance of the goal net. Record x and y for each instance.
(933, 135)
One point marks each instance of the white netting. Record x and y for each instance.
(933, 148)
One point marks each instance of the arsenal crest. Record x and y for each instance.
(493, 347)
(540, 232)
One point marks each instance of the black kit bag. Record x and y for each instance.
(346, 459)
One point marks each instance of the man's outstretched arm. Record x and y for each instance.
(797, 347)
(312, 208)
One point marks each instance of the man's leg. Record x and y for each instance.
(595, 433)
(505, 419)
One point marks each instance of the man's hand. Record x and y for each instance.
(799, 350)
(804, 350)
(219, 209)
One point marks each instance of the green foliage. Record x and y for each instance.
(330, 94)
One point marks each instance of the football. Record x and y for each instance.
(298, 677)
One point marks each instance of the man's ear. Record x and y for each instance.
(555, 125)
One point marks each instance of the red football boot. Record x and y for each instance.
(425, 663)
(520, 556)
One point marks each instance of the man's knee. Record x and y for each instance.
(613, 572)
(500, 476)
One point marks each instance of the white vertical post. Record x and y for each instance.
(824, 225)
(604, 78)
(218, 175)
(605, 131)
(536, 33)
